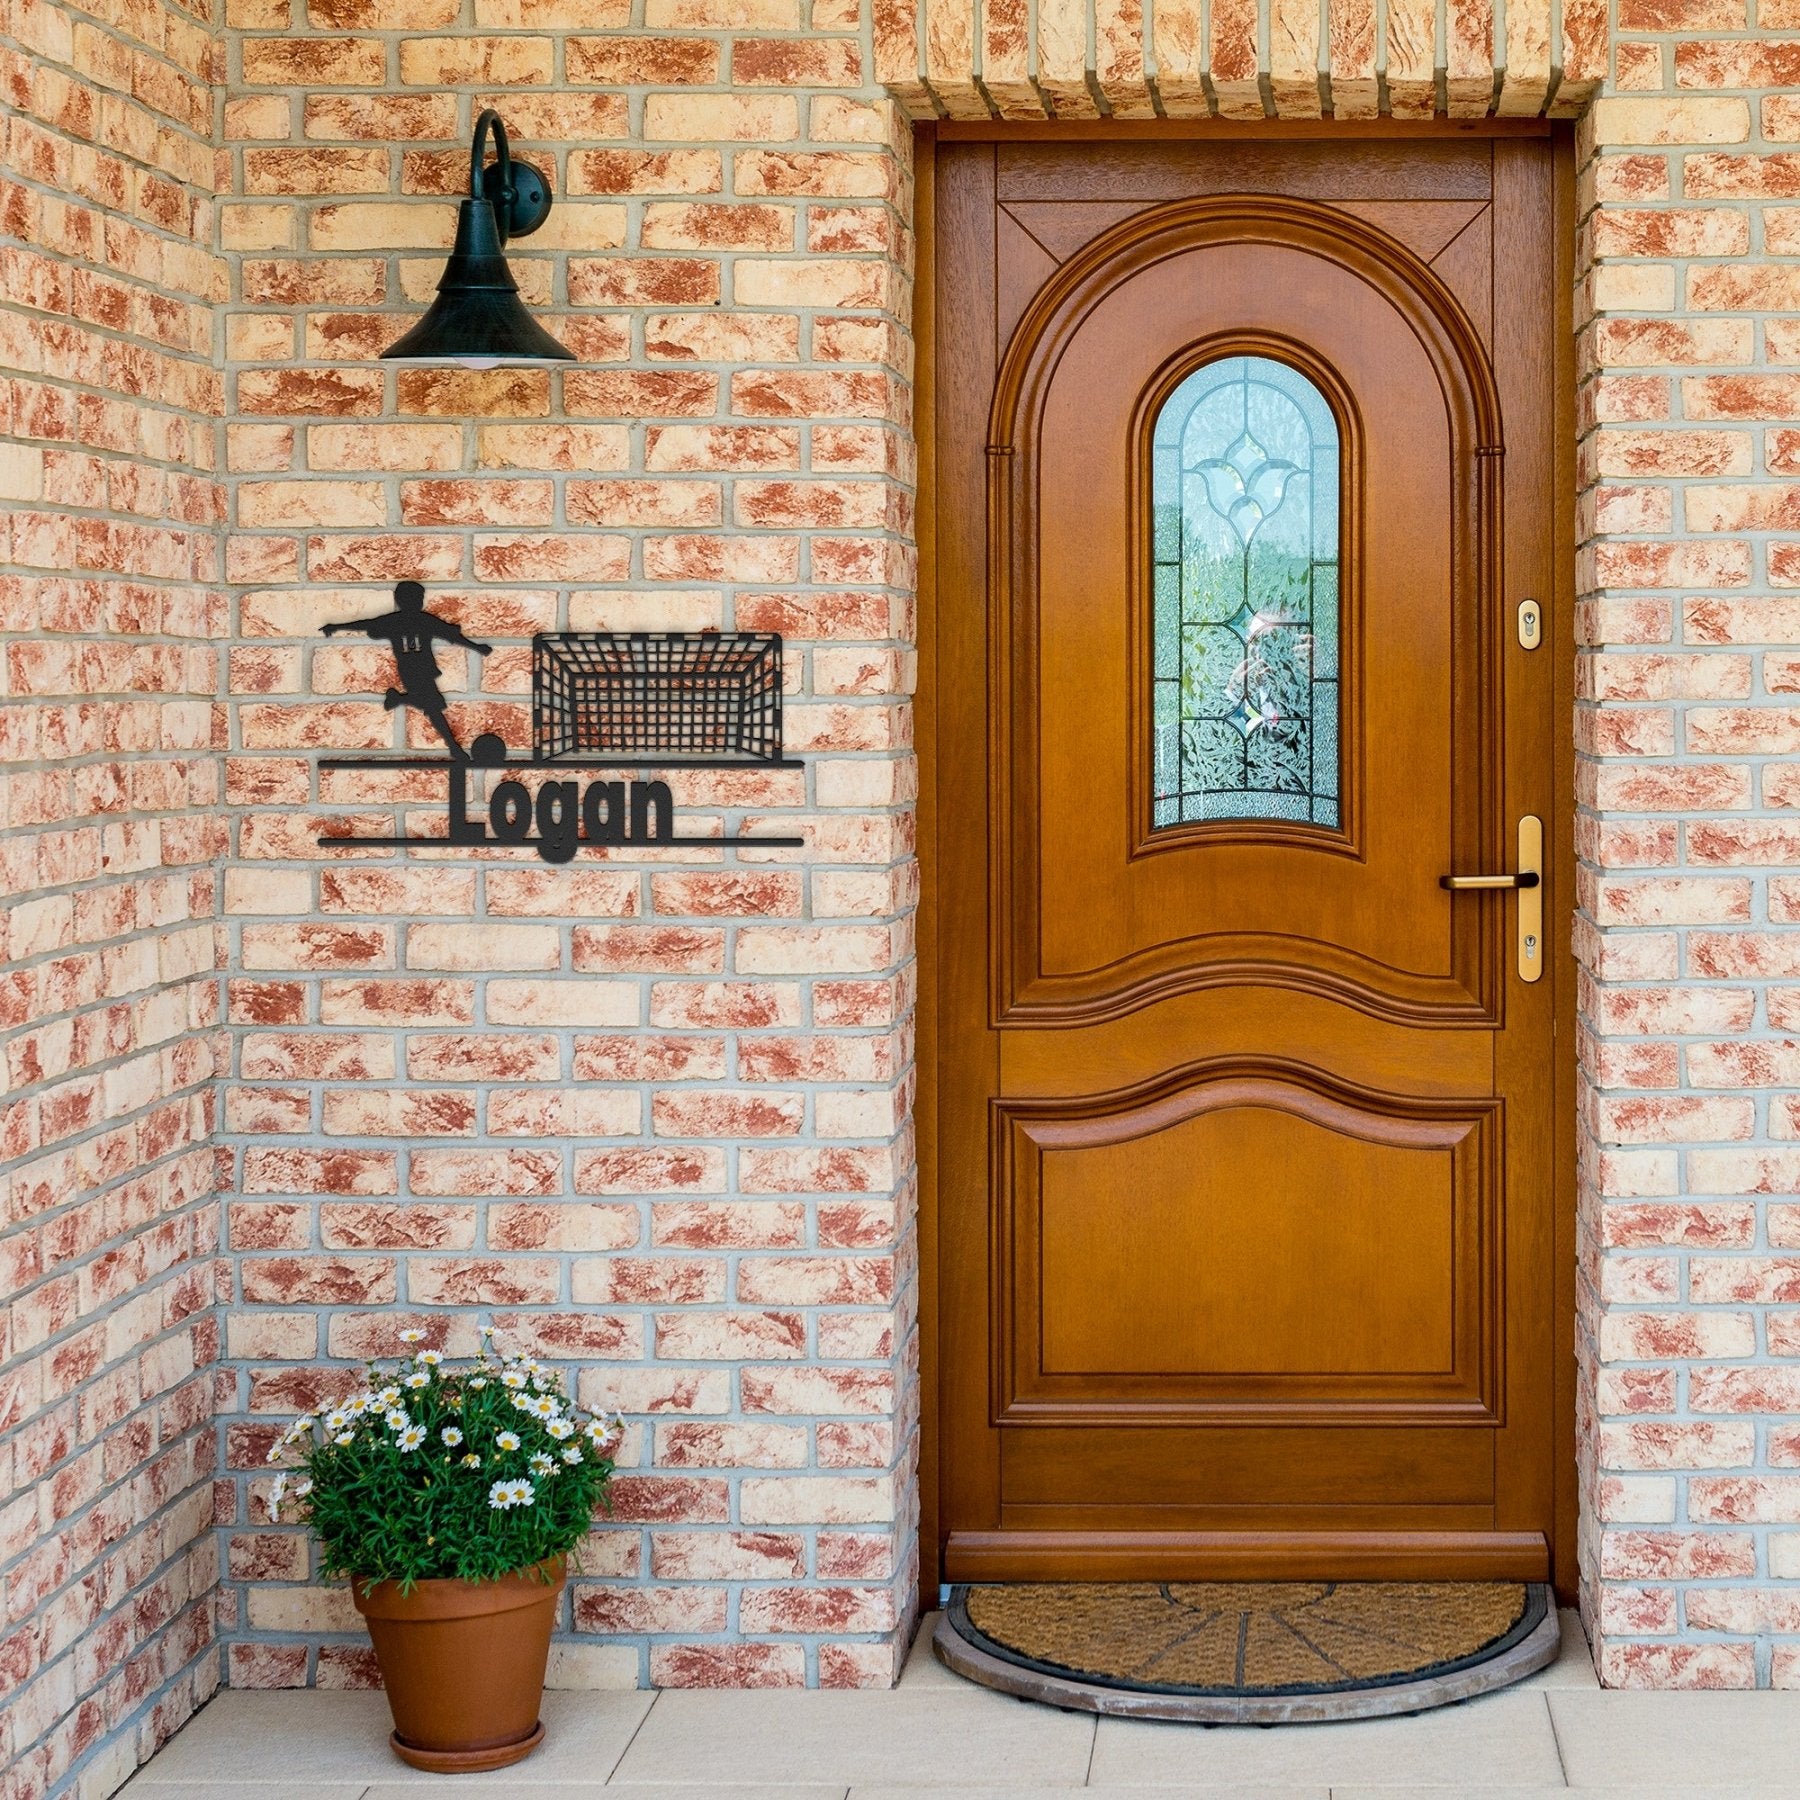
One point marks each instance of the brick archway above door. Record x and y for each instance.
(1240, 59)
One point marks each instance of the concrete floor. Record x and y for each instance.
(1554, 1733)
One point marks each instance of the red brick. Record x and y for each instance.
(728, 1665)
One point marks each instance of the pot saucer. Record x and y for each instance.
(466, 1762)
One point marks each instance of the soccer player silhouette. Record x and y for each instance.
(410, 632)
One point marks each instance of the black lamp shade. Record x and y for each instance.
(478, 319)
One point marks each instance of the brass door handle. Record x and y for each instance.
(1529, 882)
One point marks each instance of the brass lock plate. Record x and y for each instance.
(1531, 624)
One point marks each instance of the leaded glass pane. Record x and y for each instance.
(1244, 529)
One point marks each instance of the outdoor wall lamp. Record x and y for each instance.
(478, 319)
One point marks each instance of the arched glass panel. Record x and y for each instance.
(1244, 486)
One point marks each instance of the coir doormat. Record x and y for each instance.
(1249, 1651)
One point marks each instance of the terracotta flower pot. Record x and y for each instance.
(464, 1665)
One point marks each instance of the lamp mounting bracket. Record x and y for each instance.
(519, 195)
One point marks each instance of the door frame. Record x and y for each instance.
(1561, 644)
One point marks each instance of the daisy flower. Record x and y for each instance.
(507, 1440)
(452, 1436)
(412, 1337)
(544, 1406)
(560, 1429)
(430, 1358)
(360, 1404)
(412, 1437)
(396, 1419)
(344, 1438)
(418, 1379)
(388, 1395)
(504, 1495)
(542, 1465)
(513, 1379)
(471, 1461)
(572, 1455)
(336, 1420)
(480, 1381)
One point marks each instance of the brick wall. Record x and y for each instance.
(650, 1113)
(109, 835)
(647, 1113)
(1689, 1337)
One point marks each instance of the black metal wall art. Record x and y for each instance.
(600, 700)
(622, 696)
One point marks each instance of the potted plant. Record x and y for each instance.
(451, 1497)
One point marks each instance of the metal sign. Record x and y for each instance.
(600, 700)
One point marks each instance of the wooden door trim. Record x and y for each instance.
(1184, 131)
(1561, 898)
(1559, 1559)
(1246, 1555)
(925, 1047)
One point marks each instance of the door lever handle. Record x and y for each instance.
(1529, 881)
(1460, 884)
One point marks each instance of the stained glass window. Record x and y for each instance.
(1244, 485)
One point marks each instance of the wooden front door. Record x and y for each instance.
(1246, 1150)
